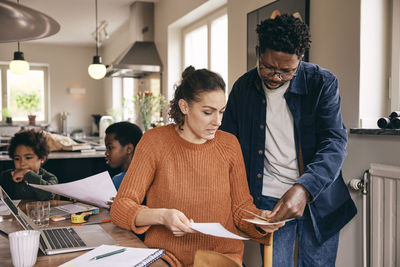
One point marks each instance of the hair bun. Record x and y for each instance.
(188, 71)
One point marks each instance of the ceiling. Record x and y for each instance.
(77, 18)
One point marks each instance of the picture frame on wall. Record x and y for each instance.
(298, 7)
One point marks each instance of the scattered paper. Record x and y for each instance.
(264, 222)
(96, 189)
(215, 229)
(4, 209)
(130, 257)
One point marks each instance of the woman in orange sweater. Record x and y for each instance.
(189, 171)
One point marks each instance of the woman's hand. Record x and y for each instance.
(177, 222)
(18, 174)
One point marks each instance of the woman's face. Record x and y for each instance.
(203, 118)
(25, 158)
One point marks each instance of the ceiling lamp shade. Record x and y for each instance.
(18, 65)
(21, 23)
(97, 70)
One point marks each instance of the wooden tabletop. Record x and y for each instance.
(123, 237)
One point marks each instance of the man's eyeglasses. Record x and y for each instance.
(284, 76)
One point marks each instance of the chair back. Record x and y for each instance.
(205, 258)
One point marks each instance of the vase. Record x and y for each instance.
(32, 119)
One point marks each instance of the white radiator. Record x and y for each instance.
(384, 215)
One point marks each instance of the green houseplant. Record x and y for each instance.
(6, 113)
(28, 102)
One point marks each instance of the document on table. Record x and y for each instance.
(95, 190)
(4, 209)
(215, 229)
(131, 257)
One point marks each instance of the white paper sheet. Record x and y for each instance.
(215, 229)
(264, 222)
(128, 258)
(4, 209)
(96, 189)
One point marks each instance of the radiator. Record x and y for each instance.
(384, 215)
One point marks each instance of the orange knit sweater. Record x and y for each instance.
(207, 182)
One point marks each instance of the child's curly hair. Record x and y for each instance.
(30, 138)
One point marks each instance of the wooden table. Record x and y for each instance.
(123, 237)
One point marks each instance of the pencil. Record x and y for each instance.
(108, 254)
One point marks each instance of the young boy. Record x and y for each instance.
(29, 150)
(121, 140)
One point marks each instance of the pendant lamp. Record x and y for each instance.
(18, 65)
(97, 70)
(21, 23)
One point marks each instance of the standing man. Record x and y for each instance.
(286, 115)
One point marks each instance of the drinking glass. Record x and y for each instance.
(39, 212)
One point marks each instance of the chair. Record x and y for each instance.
(205, 258)
(268, 253)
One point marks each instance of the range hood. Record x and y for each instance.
(142, 56)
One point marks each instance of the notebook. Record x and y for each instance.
(60, 239)
(132, 257)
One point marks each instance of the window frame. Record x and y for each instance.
(206, 20)
(4, 66)
(394, 80)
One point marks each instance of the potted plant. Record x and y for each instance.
(29, 102)
(6, 113)
(148, 104)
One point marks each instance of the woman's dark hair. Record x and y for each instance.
(30, 138)
(194, 82)
(285, 33)
(125, 132)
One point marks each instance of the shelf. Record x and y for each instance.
(375, 131)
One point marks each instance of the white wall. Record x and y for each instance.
(67, 68)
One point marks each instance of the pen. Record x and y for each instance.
(108, 254)
(89, 223)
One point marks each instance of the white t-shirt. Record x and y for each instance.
(280, 159)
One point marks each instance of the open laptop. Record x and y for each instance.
(61, 239)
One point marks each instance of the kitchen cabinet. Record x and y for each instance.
(69, 166)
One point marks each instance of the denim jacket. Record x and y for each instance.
(320, 138)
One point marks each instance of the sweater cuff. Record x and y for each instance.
(137, 229)
(33, 178)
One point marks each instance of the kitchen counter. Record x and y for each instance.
(65, 155)
(69, 166)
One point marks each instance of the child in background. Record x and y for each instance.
(29, 150)
(120, 141)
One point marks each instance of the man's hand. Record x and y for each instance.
(18, 174)
(291, 205)
(269, 228)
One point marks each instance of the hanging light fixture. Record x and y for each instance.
(96, 69)
(19, 65)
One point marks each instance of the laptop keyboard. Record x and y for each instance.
(63, 238)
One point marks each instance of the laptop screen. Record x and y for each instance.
(14, 210)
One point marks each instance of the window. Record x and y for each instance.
(206, 44)
(12, 86)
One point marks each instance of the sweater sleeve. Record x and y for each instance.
(241, 198)
(134, 186)
(43, 178)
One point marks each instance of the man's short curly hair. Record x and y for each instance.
(285, 34)
(30, 138)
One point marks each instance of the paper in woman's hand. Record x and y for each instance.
(260, 221)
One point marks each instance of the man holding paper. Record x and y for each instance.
(286, 115)
(189, 172)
